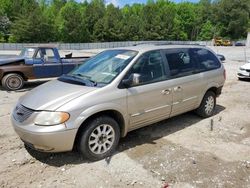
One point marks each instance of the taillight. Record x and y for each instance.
(224, 74)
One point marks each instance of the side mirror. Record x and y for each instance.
(134, 79)
(221, 57)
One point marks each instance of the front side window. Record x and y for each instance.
(104, 67)
(47, 54)
(206, 59)
(180, 62)
(150, 67)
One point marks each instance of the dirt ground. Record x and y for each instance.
(184, 151)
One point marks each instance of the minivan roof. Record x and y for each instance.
(148, 47)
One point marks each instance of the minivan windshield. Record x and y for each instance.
(104, 67)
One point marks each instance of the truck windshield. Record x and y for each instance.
(104, 67)
(27, 52)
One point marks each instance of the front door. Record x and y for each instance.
(149, 101)
(46, 64)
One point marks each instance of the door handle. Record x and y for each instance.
(177, 89)
(166, 91)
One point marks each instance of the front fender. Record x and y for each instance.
(25, 70)
(100, 108)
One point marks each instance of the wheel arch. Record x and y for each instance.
(116, 115)
(215, 88)
(14, 72)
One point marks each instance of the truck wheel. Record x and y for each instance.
(207, 106)
(99, 139)
(12, 81)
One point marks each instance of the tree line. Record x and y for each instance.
(94, 21)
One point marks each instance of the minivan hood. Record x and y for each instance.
(52, 95)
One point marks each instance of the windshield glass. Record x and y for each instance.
(27, 52)
(104, 67)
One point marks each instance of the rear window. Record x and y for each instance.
(206, 60)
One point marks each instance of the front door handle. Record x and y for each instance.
(166, 91)
(177, 89)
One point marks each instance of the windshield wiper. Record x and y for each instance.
(86, 77)
(71, 78)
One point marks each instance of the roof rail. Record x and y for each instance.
(168, 43)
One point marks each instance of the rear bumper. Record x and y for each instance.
(57, 141)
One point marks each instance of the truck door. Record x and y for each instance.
(47, 64)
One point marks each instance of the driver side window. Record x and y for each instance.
(150, 67)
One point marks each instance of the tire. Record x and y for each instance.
(207, 106)
(240, 79)
(12, 81)
(94, 133)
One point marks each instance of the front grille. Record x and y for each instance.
(248, 70)
(21, 113)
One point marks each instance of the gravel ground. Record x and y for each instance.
(184, 151)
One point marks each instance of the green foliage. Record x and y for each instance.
(95, 11)
(109, 28)
(233, 17)
(31, 25)
(94, 21)
(72, 26)
(207, 31)
(4, 28)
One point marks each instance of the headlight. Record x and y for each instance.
(46, 118)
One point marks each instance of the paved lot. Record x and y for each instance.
(180, 152)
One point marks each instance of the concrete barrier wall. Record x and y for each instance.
(97, 45)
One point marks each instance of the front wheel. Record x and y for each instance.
(100, 138)
(12, 81)
(207, 106)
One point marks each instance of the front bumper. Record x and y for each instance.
(243, 74)
(50, 141)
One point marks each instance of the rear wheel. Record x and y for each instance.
(100, 138)
(207, 106)
(12, 81)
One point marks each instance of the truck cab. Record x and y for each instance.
(34, 63)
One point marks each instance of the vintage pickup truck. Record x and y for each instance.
(34, 63)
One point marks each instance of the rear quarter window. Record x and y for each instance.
(206, 60)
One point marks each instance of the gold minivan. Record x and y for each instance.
(115, 92)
